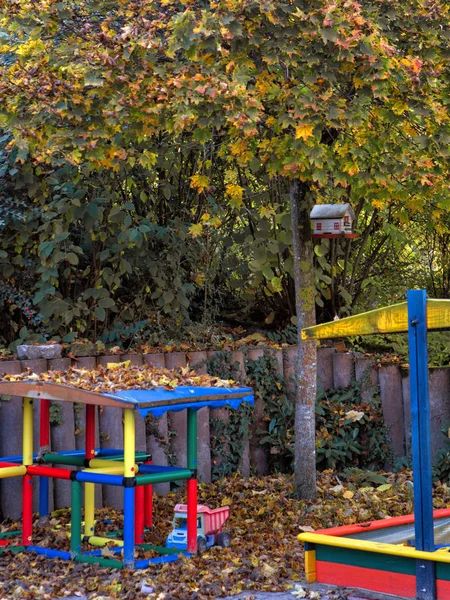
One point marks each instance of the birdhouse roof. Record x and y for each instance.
(331, 211)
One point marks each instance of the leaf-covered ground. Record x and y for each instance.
(264, 555)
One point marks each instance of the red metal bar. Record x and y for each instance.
(192, 515)
(148, 502)
(344, 530)
(44, 423)
(90, 431)
(27, 510)
(139, 514)
(9, 464)
(44, 471)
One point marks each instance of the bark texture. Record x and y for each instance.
(305, 397)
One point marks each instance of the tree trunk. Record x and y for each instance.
(305, 422)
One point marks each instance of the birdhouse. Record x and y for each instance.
(333, 221)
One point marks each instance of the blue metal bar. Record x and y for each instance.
(109, 451)
(421, 442)
(99, 452)
(18, 457)
(87, 477)
(116, 550)
(49, 553)
(149, 469)
(43, 496)
(143, 564)
(128, 527)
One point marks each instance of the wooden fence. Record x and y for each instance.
(335, 369)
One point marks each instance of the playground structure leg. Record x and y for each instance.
(89, 488)
(129, 490)
(421, 443)
(192, 483)
(44, 442)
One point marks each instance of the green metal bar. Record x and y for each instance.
(139, 456)
(75, 527)
(103, 562)
(12, 549)
(162, 477)
(7, 534)
(60, 459)
(160, 549)
(192, 439)
(78, 461)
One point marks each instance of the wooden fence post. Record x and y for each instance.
(258, 454)
(203, 425)
(157, 430)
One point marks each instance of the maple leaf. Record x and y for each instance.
(196, 229)
(234, 191)
(266, 211)
(199, 182)
(304, 131)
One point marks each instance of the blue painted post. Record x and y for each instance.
(421, 445)
(128, 527)
(43, 496)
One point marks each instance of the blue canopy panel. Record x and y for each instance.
(159, 401)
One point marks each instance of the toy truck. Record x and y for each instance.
(209, 528)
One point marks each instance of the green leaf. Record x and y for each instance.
(106, 303)
(100, 313)
(72, 258)
(70, 337)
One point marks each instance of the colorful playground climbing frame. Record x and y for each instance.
(132, 471)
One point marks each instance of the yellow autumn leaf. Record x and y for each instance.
(351, 168)
(268, 570)
(199, 278)
(117, 366)
(348, 494)
(234, 191)
(199, 182)
(196, 229)
(266, 211)
(148, 159)
(304, 131)
(215, 222)
(384, 488)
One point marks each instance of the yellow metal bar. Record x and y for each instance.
(100, 463)
(390, 319)
(96, 540)
(12, 471)
(111, 470)
(129, 443)
(310, 566)
(27, 437)
(89, 508)
(378, 547)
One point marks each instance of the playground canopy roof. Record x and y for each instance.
(390, 319)
(155, 401)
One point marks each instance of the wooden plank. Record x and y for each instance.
(397, 584)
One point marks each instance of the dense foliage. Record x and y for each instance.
(148, 149)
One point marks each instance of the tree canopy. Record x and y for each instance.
(136, 124)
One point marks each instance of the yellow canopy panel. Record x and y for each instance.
(390, 319)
